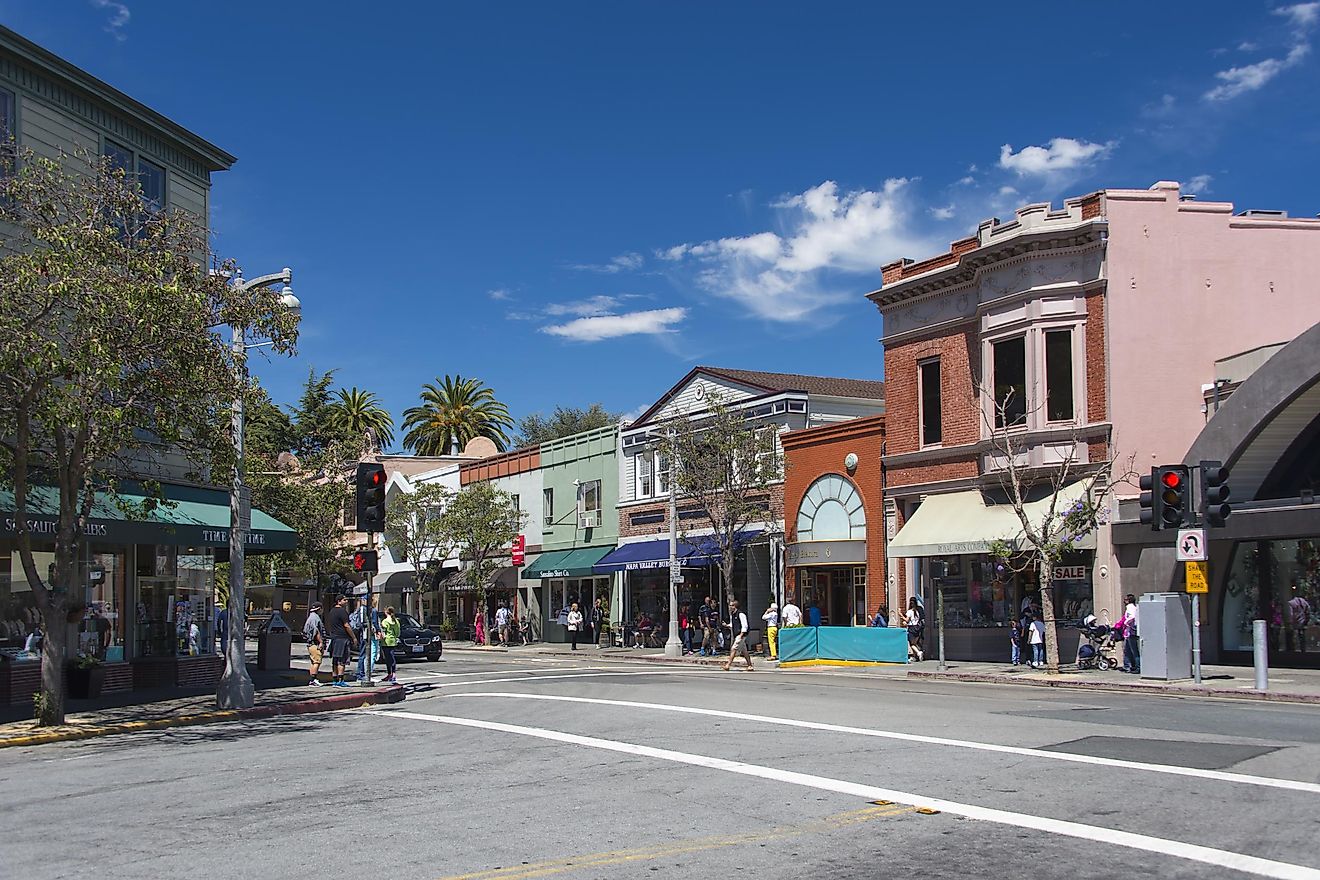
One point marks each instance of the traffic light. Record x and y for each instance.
(1214, 492)
(366, 561)
(1172, 488)
(370, 497)
(1148, 517)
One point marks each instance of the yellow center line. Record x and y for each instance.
(682, 847)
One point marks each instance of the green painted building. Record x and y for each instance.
(579, 525)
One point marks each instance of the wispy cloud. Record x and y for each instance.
(1060, 157)
(784, 276)
(1198, 185)
(499, 294)
(629, 262)
(118, 20)
(1302, 19)
(598, 327)
(944, 213)
(585, 308)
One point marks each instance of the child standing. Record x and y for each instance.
(1015, 641)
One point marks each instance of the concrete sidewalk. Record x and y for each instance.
(130, 712)
(1236, 682)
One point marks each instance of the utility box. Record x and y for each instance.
(1164, 624)
(273, 650)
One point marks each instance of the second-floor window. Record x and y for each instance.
(645, 475)
(932, 425)
(589, 497)
(150, 175)
(1010, 382)
(8, 132)
(548, 503)
(1059, 376)
(661, 474)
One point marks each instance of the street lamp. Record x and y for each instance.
(673, 645)
(235, 690)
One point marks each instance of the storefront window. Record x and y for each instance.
(102, 629)
(978, 591)
(18, 607)
(1278, 582)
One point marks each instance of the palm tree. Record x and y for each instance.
(357, 411)
(452, 412)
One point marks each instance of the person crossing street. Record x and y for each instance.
(738, 633)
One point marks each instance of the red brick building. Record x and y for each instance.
(834, 519)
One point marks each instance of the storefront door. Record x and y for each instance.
(1278, 582)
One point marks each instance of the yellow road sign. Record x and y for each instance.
(1197, 581)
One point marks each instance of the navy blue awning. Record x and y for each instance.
(655, 554)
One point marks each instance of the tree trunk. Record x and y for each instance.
(54, 657)
(1047, 611)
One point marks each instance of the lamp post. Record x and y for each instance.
(673, 645)
(235, 689)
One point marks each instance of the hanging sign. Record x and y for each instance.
(520, 550)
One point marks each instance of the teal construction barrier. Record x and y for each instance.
(857, 644)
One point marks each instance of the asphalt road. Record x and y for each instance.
(514, 767)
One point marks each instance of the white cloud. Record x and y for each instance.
(965, 181)
(945, 213)
(1248, 46)
(622, 263)
(1162, 108)
(1061, 155)
(119, 17)
(1250, 77)
(598, 327)
(585, 308)
(784, 276)
(1007, 191)
(1198, 185)
(499, 294)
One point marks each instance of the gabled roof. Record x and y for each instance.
(771, 383)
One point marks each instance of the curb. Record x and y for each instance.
(388, 695)
(1154, 689)
(650, 658)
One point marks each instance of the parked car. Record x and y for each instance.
(416, 641)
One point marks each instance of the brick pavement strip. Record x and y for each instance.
(27, 734)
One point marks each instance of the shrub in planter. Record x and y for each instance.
(85, 678)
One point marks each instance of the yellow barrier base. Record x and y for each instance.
(793, 664)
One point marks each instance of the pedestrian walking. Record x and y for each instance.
(391, 628)
(1037, 638)
(342, 639)
(502, 617)
(737, 627)
(915, 620)
(366, 616)
(1015, 642)
(596, 621)
(685, 628)
(317, 643)
(771, 618)
(708, 618)
(1131, 637)
(574, 624)
(792, 615)
(479, 626)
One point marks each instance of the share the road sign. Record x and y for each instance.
(1197, 582)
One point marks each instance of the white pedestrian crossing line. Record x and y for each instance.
(1189, 851)
(1170, 769)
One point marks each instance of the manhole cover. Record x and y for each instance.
(1201, 755)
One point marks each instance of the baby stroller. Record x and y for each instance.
(1097, 650)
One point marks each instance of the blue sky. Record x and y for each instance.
(578, 202)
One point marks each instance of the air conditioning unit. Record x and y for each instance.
(589, 519)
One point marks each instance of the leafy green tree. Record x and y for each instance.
(482, 522)
(315, 420)
(356, 412)
(311, 501)
(724, 466)
(452, 412)
(565, 422)
(110, 349)
(267, 429)
(417, 529)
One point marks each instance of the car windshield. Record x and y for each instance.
(407, 621)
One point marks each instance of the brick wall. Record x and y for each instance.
(960, 365)
(1097, 392)
(813, 453)
(505, 465)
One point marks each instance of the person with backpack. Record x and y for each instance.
(915, 619)
(365, 615)
(314, 635)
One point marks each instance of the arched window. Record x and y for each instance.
(831, 511)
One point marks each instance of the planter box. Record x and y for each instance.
(19, 682)
(84, 684)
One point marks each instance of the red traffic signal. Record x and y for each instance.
(366, 561)
(1171, 479)
(370, 482)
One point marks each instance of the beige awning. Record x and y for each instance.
(958, 523)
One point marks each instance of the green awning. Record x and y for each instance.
(192, 516)
(565, 563)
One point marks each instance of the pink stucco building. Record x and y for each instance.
(1112, 324)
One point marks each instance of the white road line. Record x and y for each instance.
(1171, 769)
(445, 684)
(1190, 851)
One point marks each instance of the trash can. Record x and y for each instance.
(274, 644)
(1164, 622)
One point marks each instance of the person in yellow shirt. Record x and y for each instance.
(390, 629)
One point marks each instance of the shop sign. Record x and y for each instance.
(826, 553)
(1069, 573)
(221, 536)
(51, 526)
(556, 573)
(520, 550)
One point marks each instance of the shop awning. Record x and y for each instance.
(501, 579)
(577, 562)
(192, 516)
(959, 523)
(655, 554)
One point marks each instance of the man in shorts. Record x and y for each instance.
(342, 639)
(317, 642)
(502, 618)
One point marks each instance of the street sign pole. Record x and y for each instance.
(1196, 637)
(1197, 580)
(673, 646)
